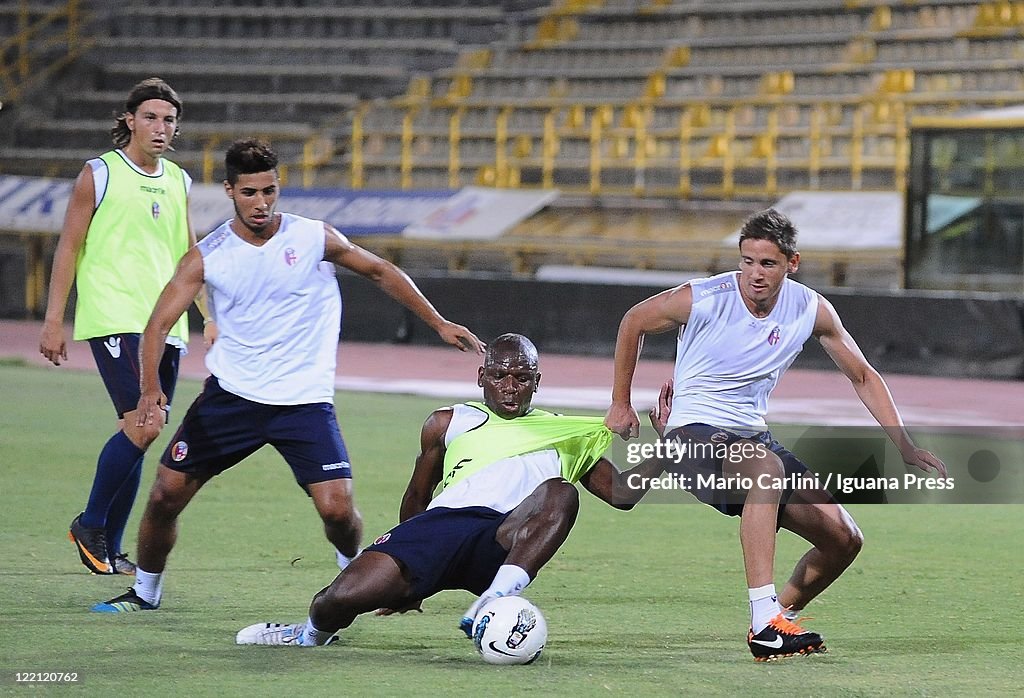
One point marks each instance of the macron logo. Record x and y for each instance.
(334, 466)
(724, 286)
(113, 345)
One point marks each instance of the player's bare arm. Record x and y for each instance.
(77, 217)
(202, 303)
(869, 385)
(397, 284)
(174, 300)
(659, 313)
(429, 466)
(607, 482)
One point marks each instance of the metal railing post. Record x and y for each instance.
(357, 147)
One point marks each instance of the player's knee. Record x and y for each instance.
(334, 502)
(561, 497)
(144, 436)
(761, 468)
(164, 502)
(561, 501)
(768, 467)
(851, 542)
(329, 599)
(844, 542)
(341, 515)
(331, 607)
(148, 435)
(550, 510)
(167, 497)
(349, 595)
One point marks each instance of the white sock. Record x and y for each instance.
(344, 560)
(764, 605)
(510, 580)
(311, 636)
(148, 586)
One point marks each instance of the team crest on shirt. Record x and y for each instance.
(156, 210)
(382, 539)
(773, 338)
(179, 451)
(290, 258)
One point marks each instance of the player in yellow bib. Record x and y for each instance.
(507, 502)
(125, 229)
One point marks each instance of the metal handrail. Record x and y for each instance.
(17, 75)
(625, 137)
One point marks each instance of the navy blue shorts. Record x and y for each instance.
(221, 429)
(117, 358)
(444, 548)
(729, 501)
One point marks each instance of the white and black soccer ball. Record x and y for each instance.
(509, 630)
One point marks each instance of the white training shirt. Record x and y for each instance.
(278, 312)
(502, 485)
(728, 361)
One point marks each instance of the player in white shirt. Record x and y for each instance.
(738, 332)
(271, 280)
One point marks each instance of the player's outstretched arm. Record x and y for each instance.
(870, 386)
(177, 296)
(397, 284)
(77, 217)
(659, 313)
(624, 489)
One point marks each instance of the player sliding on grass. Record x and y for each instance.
(278, 309)
(740, 332)
(506, 503)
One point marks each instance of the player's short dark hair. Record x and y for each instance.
(773, 226)
(150, 88)
(511, 342)
(248, 156)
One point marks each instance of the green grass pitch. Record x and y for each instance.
(648, 602)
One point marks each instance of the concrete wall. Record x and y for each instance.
(927, 333)
(918, 332)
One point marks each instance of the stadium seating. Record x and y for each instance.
(672, 99)
(641, 97)
(289, 72)
(702, 99)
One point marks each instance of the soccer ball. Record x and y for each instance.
(509, 630)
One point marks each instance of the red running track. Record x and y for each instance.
(818, 397)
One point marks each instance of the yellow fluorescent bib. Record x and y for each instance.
(579, 441)
(138, 233)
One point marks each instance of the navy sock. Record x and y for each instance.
(121, 508)
(113, 468)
